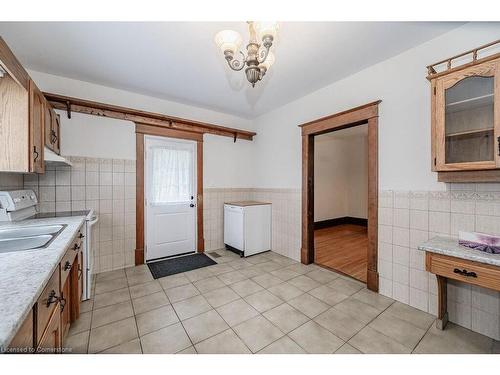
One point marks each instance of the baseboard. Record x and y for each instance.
(339, 221)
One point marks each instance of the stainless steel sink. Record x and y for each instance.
(29, 237)
(24, 243)
(34, 230)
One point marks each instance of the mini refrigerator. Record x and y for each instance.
(247, 227)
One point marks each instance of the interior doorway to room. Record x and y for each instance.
(365, 115)
(341, 201)
(170, 190)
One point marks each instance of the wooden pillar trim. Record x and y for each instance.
(139, 199)
(362, 115)
(199, 196)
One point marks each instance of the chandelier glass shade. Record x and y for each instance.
(258, 58)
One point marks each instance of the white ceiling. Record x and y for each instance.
(180, 62)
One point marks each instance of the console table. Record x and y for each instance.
(445, 258)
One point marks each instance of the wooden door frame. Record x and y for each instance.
(365, 114)
(141, 130)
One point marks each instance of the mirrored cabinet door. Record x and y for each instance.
(467, 126)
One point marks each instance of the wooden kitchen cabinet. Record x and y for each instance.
(465, 116)
(51, 128)
(23, 340)
(37, 129)
(51, 341)
(57, 307)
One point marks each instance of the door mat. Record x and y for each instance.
(186, 263)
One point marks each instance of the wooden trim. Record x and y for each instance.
(144, 129)
(154, 119)
(431, 68)
(340, 221)
(12, 65)
(139, 199)
(307, 250)
(341, 120)
(199, 196)
(470, 176)
(360, 115)
(372, 279)
(164, 132)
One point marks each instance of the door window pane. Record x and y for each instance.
(469, 134)
(171, 175)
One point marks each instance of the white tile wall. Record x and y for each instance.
(105, 185)
(470, 207)
(11, 181)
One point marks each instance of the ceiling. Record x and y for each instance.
(179, 60)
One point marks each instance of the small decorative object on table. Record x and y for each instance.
(480, 241)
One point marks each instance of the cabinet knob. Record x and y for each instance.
(67, 265)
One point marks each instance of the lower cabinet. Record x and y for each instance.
(51, 341)
(58, 306)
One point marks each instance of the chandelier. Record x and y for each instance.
(259, 58)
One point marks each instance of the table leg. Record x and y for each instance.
(442, 302)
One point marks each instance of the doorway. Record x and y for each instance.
(341, 201)
(170, 190)
(363, 115)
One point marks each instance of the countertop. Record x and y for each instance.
(24, 274)
(246, 203)
(449, 246)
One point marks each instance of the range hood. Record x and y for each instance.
(51, 158)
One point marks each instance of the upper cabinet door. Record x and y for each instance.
(36, 127)
(467, 119)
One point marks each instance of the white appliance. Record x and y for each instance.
(16, 205)
(51, 158)
(247, 227)
(88, 258)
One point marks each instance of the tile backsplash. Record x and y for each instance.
(408, 218)
(105, 185)
(11, 181)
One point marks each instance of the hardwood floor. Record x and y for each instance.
(342, 248)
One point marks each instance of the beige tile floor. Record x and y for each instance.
(262, 304)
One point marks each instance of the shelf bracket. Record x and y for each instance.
(68, 108)
(234, 137)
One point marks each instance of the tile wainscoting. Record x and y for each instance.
(286, 206)
(105, 185)
(11, 181)
(407, 219)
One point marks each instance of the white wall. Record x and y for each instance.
(341, 174)
(330, 189)
(226, 164)
(404, 133)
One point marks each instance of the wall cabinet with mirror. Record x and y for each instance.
(466, 121)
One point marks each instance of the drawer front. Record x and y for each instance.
(463, 270)
(51, 341)
(66, 265)
(47, 302)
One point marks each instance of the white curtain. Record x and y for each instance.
(171, 179)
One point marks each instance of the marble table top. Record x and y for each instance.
(24, 274)
(449, 246)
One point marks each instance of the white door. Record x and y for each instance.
(170, 191)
